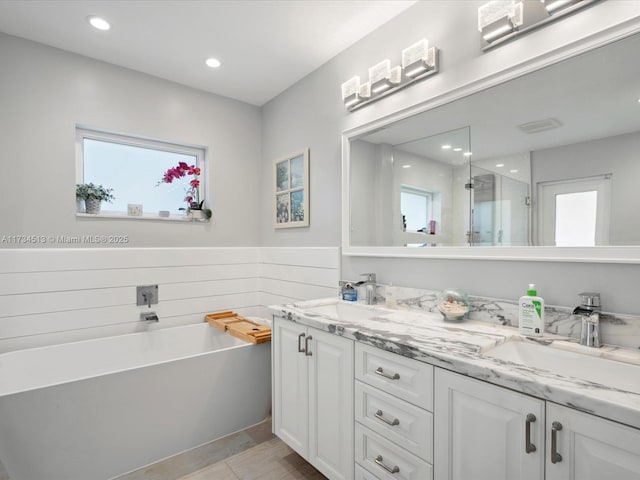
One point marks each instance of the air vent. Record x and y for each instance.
(540, 125)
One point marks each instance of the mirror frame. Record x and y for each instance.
(599, 254)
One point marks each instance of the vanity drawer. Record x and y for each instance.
(396, 420)
(403, 377)
(386, 460)
(362, 474)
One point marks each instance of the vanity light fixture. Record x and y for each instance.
(502, 20)
(98, 23)
(418, 58)
(499, 18)
(418, 62)
(354, 92)
(383, 77)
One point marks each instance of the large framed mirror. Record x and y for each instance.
(543, 166)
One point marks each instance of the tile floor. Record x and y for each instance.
(252, 454)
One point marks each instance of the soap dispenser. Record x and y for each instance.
(531, 313)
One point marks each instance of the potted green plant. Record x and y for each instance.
(195, 209)
(93, 196)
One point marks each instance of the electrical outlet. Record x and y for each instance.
(147, 295)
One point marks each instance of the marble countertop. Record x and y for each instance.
(462, 347)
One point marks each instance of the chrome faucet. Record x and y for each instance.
(370, 285)
(149, 317)
(589, 311)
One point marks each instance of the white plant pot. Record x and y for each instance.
(92, 205)
(197, 214)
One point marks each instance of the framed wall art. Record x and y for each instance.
(291, 190)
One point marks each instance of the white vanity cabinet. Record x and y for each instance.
(313, 396)
(590, 448)
(486, 432)
(394, 419)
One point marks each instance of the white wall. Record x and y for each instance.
(45, 92)
(53, 295)
(311, 114)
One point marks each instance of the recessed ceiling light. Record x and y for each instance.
(213, 62)
(499, 165)
(446, 147)
(99, 23)
(457, 149)
(513, 171)
(467, 154)
(406, 166)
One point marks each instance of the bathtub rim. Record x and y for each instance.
(239, 344)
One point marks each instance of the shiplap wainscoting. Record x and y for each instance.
(50, 296)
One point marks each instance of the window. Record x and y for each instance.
(417, 208)
(133, 168)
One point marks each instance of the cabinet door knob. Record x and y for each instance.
(380, 416)
(528, 446)
(300, 348)
(555, 456)
(307, 352)
(379, 462)
(380, 371)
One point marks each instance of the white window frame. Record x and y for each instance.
(200, 152)
(428, 196)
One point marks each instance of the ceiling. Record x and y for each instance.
(265, 46)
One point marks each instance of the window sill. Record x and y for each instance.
(146, 217)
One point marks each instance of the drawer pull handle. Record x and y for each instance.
(555, 456)
(393, 422)
(300, 337)
(380, 371)
(379, 462)
(307, 352)
(528, 446)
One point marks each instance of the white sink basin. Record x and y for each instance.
(606, 372)
(344, 312)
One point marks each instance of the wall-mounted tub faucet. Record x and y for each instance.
(589, 312)
(149, 317)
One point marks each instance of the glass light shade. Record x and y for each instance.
(492, 12)
(415, 53)
(380, 71)
(350, 87)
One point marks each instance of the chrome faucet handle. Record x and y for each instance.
(371, 277)
(590, 299)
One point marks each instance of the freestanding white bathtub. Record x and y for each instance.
(99, 408)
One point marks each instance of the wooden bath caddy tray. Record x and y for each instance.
(239, 327)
